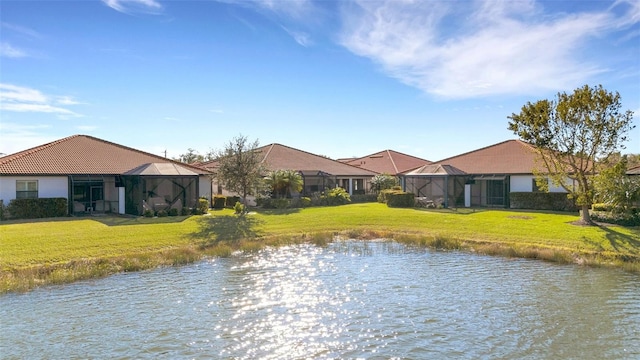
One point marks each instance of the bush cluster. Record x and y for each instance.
(366, 198)
(632, 219)
(401, 200)
(541, 201)
(219, 201)
(336, 196)
(36, 208)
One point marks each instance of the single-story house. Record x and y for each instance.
(318, 172)
(98, 176)
(489, 175)
(387, 162)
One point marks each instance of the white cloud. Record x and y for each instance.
(7, 50)
(480, 49)
(300, 37)
(23, 99)
(21, 30)
(135, 6)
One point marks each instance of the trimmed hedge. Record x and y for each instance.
(364, 198)
(231, 201)
(541, 201)
(219, 201)
(37, 208)
(401, 200)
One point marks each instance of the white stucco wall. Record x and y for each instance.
(48, 186)
(524, 183)
(521, 183)
(204, 187)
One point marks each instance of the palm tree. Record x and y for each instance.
(275, 182)
(292, 181)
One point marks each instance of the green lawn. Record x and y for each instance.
(56, 242)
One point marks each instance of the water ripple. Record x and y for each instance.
(349, 300)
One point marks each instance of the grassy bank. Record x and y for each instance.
(64, 250)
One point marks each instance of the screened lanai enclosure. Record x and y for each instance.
(154, 186)
(316, 181)
(436, 185)
(159, 186)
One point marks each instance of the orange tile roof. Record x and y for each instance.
(388, 162)
(80, 154)
(507, 157)
(281, 157)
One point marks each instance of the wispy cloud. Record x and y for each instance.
(480, 49)
(20, 30)
(23, 99)
(135, 6)
(302, 38)
(86, 128)
(9, 51)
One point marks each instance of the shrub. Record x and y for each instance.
(384, 194)
(219, 201)
(185, 211)
(148, 213)
(364, 198)
(37, 208)
(2, 212)
(601, 207)
(401, 199)
(203, 205)
(162, 213)
(336, 196)
(617, 218)
(231, 201)
(238, 208)
(305, 201)
(173, 212)
(541, 201)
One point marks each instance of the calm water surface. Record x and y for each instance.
(373, 300)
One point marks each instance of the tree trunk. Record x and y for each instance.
(585, 217)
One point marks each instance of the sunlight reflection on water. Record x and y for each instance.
(347, 300)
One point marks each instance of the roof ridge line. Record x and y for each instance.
(29, 151)
(395, 168)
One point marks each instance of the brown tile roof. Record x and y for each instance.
(387, 162)
(507, 157)
(281, 157)
(634, 171)
(80, 154)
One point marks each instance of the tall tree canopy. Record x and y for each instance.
(571, 132)
(239, 167)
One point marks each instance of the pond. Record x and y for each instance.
(349, 299)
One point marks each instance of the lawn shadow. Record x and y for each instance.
(214, 229)
(124, 220)
(106, 219)
(278, 211)
(623, 242)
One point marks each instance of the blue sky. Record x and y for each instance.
(338, 78)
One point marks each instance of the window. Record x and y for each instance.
(26, 189)
(535, 187)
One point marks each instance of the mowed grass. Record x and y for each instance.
(63, 250)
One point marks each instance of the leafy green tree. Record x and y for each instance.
(570, 133)
(240, 168)
(189, 157)
(382, 182)
(615, 188)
